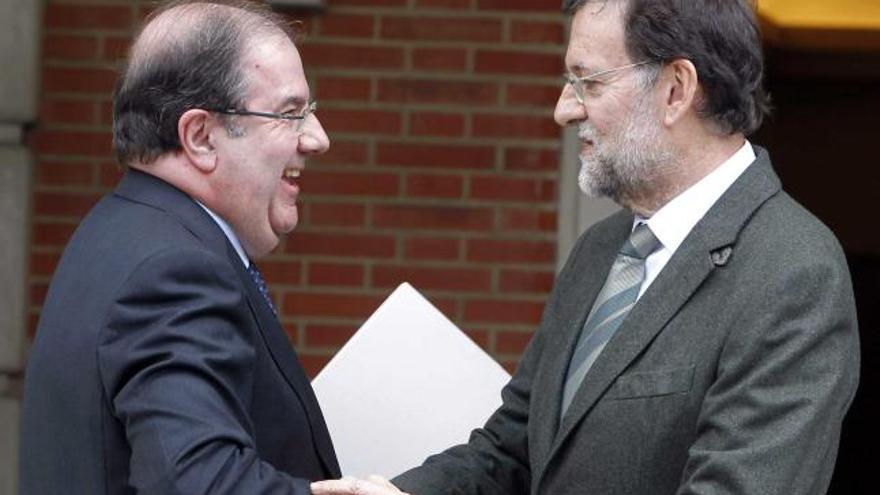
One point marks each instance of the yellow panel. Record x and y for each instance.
(822, 14)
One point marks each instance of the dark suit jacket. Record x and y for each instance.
(158, 368)
(731, 374)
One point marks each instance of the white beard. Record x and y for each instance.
(627, 160)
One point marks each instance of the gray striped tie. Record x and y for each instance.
(613, 303)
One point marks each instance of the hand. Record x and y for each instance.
(373, 485)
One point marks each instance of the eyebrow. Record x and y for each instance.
(295, 101)
(581, 69)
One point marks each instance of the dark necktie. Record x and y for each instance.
(261, 284)
(613, 303)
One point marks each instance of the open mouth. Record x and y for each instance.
(291, 174)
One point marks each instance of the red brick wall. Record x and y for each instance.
(442, 170)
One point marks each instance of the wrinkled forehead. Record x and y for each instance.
(597, 41)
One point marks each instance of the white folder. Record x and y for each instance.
(407, 385)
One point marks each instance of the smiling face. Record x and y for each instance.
(619, 127)
(257, 164)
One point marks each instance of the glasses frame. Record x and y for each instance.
(577, 82)
(310, 108)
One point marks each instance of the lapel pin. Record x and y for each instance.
(721, 256)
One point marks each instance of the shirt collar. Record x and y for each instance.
(230, 234)
(675, 220)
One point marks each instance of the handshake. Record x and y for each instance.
(373, 485)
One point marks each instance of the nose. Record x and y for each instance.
(568, 109)
(313, 140)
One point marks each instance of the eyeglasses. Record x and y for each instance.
(587, 84)
(299, 117)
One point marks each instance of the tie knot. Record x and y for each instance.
(641, 243)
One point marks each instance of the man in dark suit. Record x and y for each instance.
(703, 340)
(159, 365)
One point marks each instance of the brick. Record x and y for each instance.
(551, 6)
(348, 57)
(439, 59)
(530, 159)
(111, 173)
(371, 3)
(480, 337)
(348, 25)
(518, 63)
(361, 121)
(327, 304)
(281, 272)
(535, 95)
(105, 113)
(88, 16)
(448, 306)
(432, 217)
(69, 47)
(64, 203)
(348, 245)
(52, 234)
(515, 126)
(443, 4)
(441, 29)
(537, 32)
(65, 173)
(342, 153)
(313, 363)
(512, 342)
(336, 274)
(434, 186)
(528, 219)
(81, 80)
(432, 91)
(59, 111)
(511, 251)
(38, 292)
(350, 183)
(447, 278)
(337, 214)
(343, 88)
(539, 282)
(43, 264)
(512, 189)
(72, 142)
(436, 124)
(317, 335)
(436, 156)
(292, 331)
(503, 311)
(115, 48)
(428, 248)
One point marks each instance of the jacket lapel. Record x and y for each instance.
(286, 360)
(708, 246)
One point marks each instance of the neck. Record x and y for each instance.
(691, 164)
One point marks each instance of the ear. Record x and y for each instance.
(681, 86)
(194, 130)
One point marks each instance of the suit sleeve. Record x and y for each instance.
(495, 460)
(176, 366)
(771, 421)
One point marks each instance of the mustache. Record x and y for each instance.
(586, 132)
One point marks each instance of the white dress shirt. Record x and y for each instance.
(675, 220)
(230, 234)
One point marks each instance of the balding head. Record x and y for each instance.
(188, 55)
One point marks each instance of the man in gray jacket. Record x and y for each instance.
(704, 339)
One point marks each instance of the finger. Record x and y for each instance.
(348, 487)
(379, 480)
